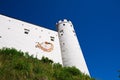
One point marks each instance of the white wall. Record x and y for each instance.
(25, 36)
(12, 35)
(70, 48)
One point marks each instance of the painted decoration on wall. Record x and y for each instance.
(45, 46)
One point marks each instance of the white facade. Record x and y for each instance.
(61, 47)
(35, 40)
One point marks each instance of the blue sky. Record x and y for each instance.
(97, 24)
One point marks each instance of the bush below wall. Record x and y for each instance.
(16, 65)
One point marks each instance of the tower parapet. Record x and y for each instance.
(70, 48)
(64, 21)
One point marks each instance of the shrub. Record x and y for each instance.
(72, 70)
(16, 65)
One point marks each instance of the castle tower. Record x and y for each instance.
(70, 48)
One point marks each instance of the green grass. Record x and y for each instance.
(16, 65)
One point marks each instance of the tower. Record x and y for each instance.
(70, 48)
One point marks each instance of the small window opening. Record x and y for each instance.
(63, 24)
(61, 34)
(26, 31)
(0, 36)
(61, 31)
(41, 30)
(63, 43)
(52, 38)
(8, 28)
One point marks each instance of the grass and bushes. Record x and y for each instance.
(16, 65)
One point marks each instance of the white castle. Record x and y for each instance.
(61, 46)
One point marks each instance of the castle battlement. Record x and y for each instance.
(64, 21)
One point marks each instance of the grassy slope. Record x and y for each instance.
(16, 65)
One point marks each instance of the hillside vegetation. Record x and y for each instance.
(16, 65)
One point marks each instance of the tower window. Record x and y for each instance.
(26, 31)
(61, 31)
(0, 36)
(61, 34)
(63, 24)
(73, 31)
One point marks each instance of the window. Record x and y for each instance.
(0, 36)
(61, 34)
(52, 38)
(73, 31)
(8, 28)
(61, 31)
(41, 30)
(63, 24)
(26, 31)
